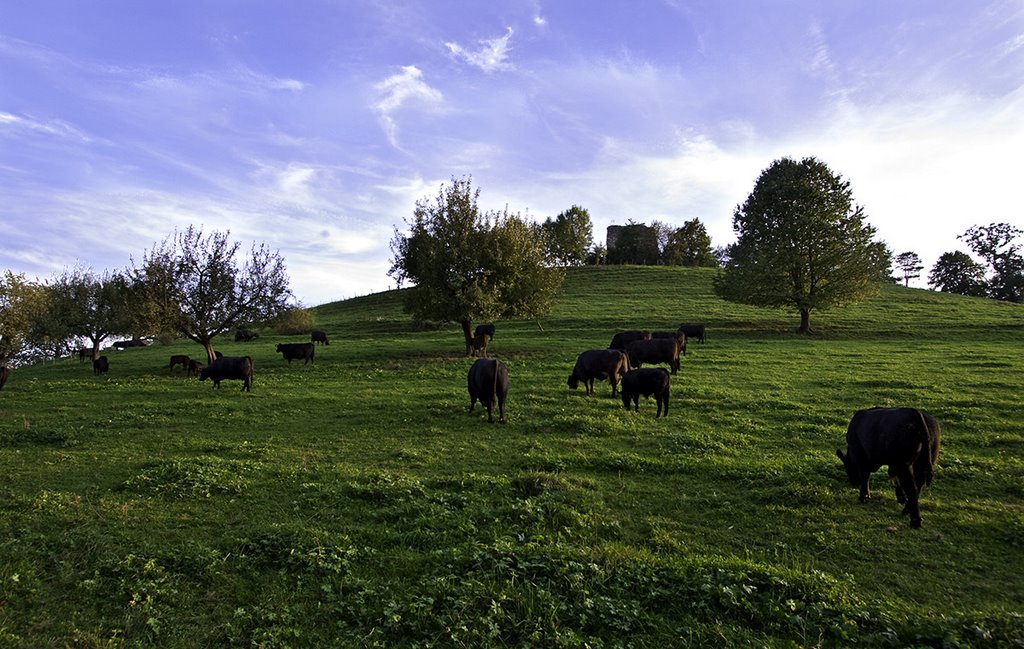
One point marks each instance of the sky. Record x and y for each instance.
(314, 126)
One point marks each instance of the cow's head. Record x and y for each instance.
(204, 374)
(573, 382)
(852, 474)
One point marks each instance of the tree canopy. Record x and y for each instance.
(689, 245)
(467, 265)
(957, 272)
(909, 265)
(192, 285)
(570, 237)
(996, 244)
(22, 304)
(92, 306)
(802, 243)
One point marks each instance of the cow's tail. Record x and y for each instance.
(494, 388)
(924, 465)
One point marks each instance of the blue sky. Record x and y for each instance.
(315, 125)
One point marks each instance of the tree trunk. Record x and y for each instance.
(210, 355)
(805, 322)
(468, 333)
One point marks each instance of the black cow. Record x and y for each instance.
(599, 364)
(677, 336)
(693, 331)
(229, 367)
(179, 359)
(656, 350)
(648, 381)
(905, 439)
(479, 345)
(101, 365)
(295, 351)
(245, 335)
(484, 329)
(623, 338)
(4, 373)
(488, 382)
(134, 342)
(318, 336)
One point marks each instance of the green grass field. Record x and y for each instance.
(355, 503)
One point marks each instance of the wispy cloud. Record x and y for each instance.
(491, 56)
(55, 127)
(398, 90)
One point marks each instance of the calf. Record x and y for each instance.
(318, 336)
(623, 338)
(488, 382)
(904, 439)
(194, 367)
(479, 346)
(4, 373)
(656, 350)
(179, 359)
(648, 381)
(296, 351)
(677, 336)
(599, 364)
(229, 367)
(84, 353)
(100, 365)
(693, 331)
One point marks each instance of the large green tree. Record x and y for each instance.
(996, 244)
(570, 237)
(689, 245)
(957, 272)
(22, 303)
(636, 244)
(467, 265)
(802, 243)
(92, 306)
(194, 286)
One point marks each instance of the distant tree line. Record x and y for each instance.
(190, 285)
(661, 244)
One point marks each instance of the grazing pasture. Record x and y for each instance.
(356, 502)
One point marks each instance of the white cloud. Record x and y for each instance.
(56, 128)
(398, 90)
(491, 56)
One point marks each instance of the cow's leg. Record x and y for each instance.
(501, 410)
(865, 488)
(901, 495)
(657, 399)
(906, 479)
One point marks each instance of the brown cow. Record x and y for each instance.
(179, 359)
(480, 342)
(194, 367)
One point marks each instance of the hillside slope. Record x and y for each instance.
(354, 502)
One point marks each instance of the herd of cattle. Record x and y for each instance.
(906, 440)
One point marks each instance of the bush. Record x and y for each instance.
(293, 322)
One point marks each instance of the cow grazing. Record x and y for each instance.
(179, 359)
(134, 342)
(5, 372)
(599, 364)
(648, 381)
(229, 367)
(101, 365)
(623, 338)
(245, 335)
(693, 331)
(656, 350)
(194, 367)
(677, 336)
(904, 439)
(318, 336)
(296, 351)
(479, 346)
(488, 382)
(487, 329)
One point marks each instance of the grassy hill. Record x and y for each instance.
(354, 502)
